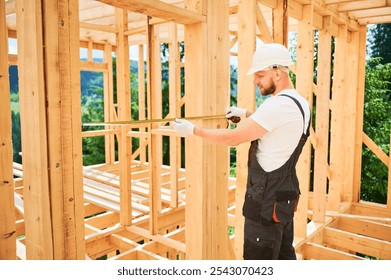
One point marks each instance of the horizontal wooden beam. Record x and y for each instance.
(313, 251)
(93, 66)
(358, 243)
(375, 20)
(373, 229)
(361, 5)
(158, 238)
(98, 27)
(158, 9)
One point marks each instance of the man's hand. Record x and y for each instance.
(234, 111)
(183, 127)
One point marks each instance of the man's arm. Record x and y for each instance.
(247, 131)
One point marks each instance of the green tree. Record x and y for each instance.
(16, 137)
(377, 123)
(379, 38)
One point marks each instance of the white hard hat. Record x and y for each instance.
(269, 55)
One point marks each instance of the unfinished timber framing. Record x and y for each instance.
(135, 206)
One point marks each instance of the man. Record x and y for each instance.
(278, 130)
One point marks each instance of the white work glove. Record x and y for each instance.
(183, 127)
(234, 111)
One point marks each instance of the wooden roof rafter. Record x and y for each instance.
(158, 9)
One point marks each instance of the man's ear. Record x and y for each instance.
(277, 74)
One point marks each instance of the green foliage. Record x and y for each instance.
(16, 139)
(379, 38)
(93, 147)
(377, 123)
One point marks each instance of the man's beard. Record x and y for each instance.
(269, 90)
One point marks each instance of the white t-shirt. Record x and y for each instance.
(282, 118)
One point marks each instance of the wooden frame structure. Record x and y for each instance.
(133, 207)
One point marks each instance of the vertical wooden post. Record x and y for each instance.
(338, 179)
(360, 112)
(246, 99)
(108, 94)
(51, 136)
(123, 101)
(155, 112)
(304, 81)
(350, 113)
(141, 98)
(173, 96)
(207, 92)
(322, 120)
(7, 208)
(280, 23)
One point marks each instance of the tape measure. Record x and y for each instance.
(233, 119)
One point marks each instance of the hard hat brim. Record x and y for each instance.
(253, 70)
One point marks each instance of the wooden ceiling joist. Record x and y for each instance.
(158, 9)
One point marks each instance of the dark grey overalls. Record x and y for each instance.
(270, 202)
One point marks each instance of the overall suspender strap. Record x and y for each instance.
(307, 133)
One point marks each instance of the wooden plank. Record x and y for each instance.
(7, 209)
(374, 229)
(98, 27)
(174, 109)
(141, 96)
(350, 115)
(93, 133)
(158, 9)
(280, 22)
(51, 102)
(207, 54)
(108, 103)
(93, 66)
(375, 20)
(313, 251)
(358, 243)
(359, 113)
(217, 98)
(361, 5)
(304, 80)
(32, 102)
(322, 121)
(245, 99)
(338, 180)
(375, 149)
(62, 83)
(123, 100)
(122, 243)
(266, 35)
(64, 116)
(158, 238)
(371, 209)
(154, 110)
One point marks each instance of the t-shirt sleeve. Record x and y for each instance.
(269, 114)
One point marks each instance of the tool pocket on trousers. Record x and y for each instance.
(251, 208)
(285, 206)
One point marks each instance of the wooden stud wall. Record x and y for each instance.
(304, 80)
(7, 208)
(207, 48)
(137, 199)
(50, 105)
(246, 89)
